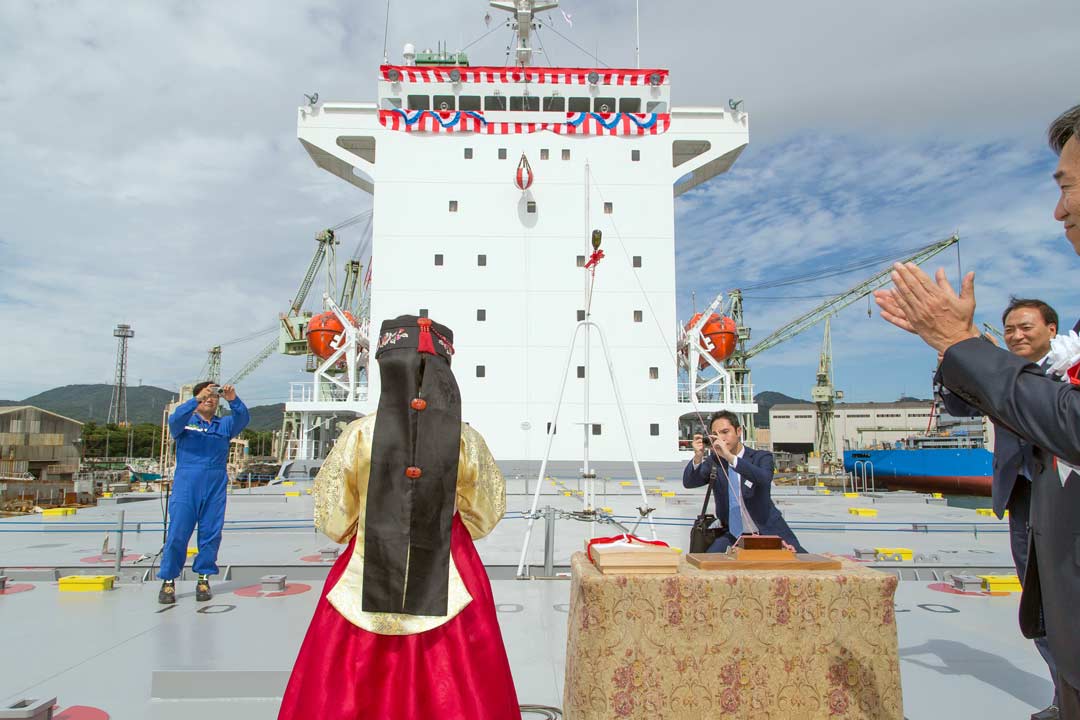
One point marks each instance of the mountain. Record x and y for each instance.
(84, 403)
(765, 400)
(266, 417)
(87, 403)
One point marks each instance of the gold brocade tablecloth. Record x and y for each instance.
(737, 644)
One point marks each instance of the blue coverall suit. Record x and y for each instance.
(199, 485)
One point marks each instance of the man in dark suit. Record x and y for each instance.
(1037, 408)
(1029, 326)
(742, 484)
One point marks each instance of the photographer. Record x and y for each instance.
(743, 484)
(199, 484)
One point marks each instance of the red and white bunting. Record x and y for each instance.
(564, 76)
(427, 121)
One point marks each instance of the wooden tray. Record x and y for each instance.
(723, 561)
(615, 559)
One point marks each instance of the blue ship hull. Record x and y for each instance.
(957, 471)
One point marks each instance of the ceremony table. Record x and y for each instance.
(760, 644)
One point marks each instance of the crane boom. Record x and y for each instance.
(253, 363)
(839, 302)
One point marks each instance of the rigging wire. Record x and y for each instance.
(832, 271)
(386, 32)
(652, 311)
(489, 32)
(543, 50)
(551, 27)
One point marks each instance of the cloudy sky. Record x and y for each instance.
(151, 173)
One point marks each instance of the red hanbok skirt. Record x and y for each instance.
(457, 670)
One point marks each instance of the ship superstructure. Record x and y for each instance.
(487, 183)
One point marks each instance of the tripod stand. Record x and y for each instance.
(589, 512)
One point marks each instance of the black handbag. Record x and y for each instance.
(702, 536)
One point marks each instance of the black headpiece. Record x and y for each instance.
(414, 464)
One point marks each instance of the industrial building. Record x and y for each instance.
(858, 425)
(39, 453)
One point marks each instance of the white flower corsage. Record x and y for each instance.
(1064, 356)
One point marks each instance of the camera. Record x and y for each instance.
(218, 390)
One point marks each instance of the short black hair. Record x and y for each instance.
(1065, 126)
(725, 415)
(199, 387)
(1049, 315)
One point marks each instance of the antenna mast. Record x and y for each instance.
(118, 407)
(524, 11)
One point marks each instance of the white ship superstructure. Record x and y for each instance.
(444, 150)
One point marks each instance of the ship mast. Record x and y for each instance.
(523, 12)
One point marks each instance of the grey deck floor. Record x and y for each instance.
(961, 656)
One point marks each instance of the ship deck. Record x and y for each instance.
(960, 655)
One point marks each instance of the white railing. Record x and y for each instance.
(739, 394)
(323, 392)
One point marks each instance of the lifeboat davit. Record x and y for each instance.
(718, 336)
(322, 330)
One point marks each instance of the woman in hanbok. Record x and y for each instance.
(406, 625)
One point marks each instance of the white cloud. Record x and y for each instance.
(152, 174)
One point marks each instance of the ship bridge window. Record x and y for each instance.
(580, 104)
(604, 104)
(494, 102)
(566, 154)
(527, 103)
(654, 428)
(637, 261)
(502, 153)
(656, 106)
(857, 416)
(544, 153)
(468, 153)
(481, 260)
(554, 104)
(581, 261)
(654, 373)
(445, 102)
(630, 105)
(419, 102)
(781, 417)
(803, 417)
(391, 103)
(596, 429)
(469, 102)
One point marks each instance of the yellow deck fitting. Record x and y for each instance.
(1000, 583)
(607, 509)
(106, 494)
(625, 483)
(87, 583)
(851, 495)
(308, 491)
(820, 484)
(987, 512)
(58, 512)
(825, 491)
(884, 553)
(938, 496)
(862, 512)
(288, 483)
(670, 493)
(292, 493)
(660, 478)
(567, 493)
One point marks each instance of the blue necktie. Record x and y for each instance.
(734, 513)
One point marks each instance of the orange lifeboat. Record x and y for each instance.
(321, 331)
(719, 336)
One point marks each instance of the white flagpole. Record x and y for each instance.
(637, 32)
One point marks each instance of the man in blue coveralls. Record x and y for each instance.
(199, 485)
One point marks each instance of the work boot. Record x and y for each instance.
(202, 589)
(1050, 713)
(167, 594)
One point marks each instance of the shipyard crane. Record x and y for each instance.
(291, 330)
(212, 369)
(824, 396)
(738, 361)
(348, 288)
